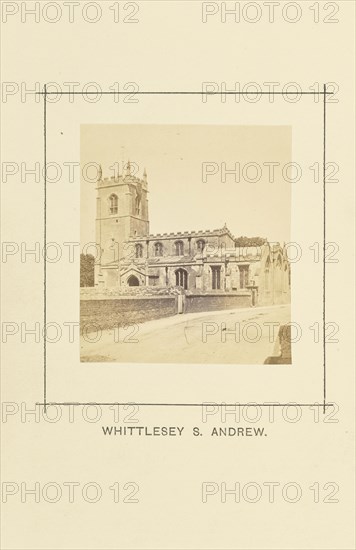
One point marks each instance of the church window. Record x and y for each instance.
(138, 199)
(267, 273)
(153, 280)
(113, 201)
(158, 249)
(200, 245)
(244, 275)
(287, 276)
(138, 205)
(216, 277)
(179, 248)
(182, 278)
(138, 251)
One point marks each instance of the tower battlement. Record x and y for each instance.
(126, 177)
(121, 180)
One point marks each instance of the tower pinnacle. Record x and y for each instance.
(128, 169)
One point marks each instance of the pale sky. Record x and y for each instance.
(179, 199)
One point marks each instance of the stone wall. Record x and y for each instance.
(109, 308)
(111, 293)
(110, 313)
(215, 302)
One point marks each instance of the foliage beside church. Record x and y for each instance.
(87, 270)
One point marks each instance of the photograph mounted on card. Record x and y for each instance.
(183, 238)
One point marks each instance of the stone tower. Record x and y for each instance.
(121, 213)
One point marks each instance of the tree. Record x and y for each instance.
(86, 270)
(250, 241)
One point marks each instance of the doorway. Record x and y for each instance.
(133, 281)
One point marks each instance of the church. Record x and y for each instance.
(197, 262)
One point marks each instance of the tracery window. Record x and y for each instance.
(244, 275)
(138, 251)
(200, 245)
(267, 273)
(179, 248)
(113, 203)
(216, 277)
(158, 249)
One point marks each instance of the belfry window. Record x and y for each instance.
(179, 248)
(113, 204)
(138, 205)
(158, 249)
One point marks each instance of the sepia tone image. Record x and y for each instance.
(183, 239)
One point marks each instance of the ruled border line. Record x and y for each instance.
(45, 403)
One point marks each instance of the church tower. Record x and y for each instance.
(121, 213)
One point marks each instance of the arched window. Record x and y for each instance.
(285, 277)
(278, 274)
(158, 248)
(138, 251)
(138, 205)
(138, 199)
(216, 277)
(179, 248)
(244, 275)
(182, 278)
(267, 273)
(200, 245)
(113, 204)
